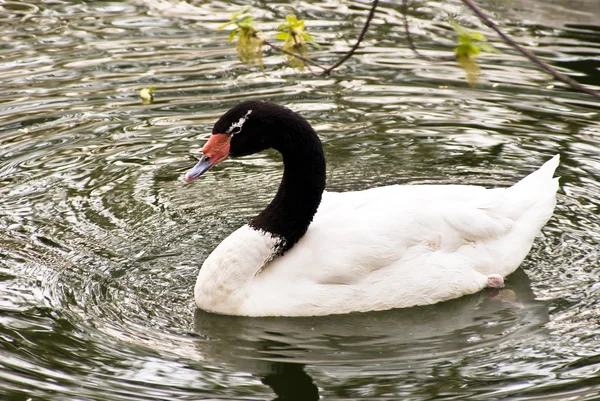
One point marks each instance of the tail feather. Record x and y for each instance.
(530, 204)
(535, 195)
(542, 177)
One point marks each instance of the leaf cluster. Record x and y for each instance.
(293, 34)
(470, 44)
(249, 44)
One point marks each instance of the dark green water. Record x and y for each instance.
(101, 240)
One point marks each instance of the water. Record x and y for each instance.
(101, 241)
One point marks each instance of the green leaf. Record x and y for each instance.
(225, 25)
(249, 46)
(459, 29)
(311, 40)
(232, 35)
(463, 50)
(294, 35)
(478, 36)
(470, 66)
(283, 36)
(146, 95)
(246, 20)
(486, 47)
(465, 38)
(470, 44)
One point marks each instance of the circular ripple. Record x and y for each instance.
(101, 241)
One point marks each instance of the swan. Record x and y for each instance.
(311, 252)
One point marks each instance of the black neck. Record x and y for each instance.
(291, 211)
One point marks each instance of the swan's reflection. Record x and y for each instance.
(277, 349)
(291, 383)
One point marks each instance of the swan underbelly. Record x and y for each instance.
(421, 277)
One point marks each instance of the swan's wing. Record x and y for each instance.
(481, 218)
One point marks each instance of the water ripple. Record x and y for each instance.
(100, 239)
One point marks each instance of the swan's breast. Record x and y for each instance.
(223, 281)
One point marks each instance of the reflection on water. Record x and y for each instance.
(100, 240)
(424, 338)
(290, 382)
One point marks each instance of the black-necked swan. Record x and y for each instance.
(312, 252)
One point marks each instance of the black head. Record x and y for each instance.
(254, 126)
(247, 128)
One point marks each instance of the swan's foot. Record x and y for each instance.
(495, 281)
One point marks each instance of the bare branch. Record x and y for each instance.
(360, 38)
(411, 44)
(532, 57)
(304, 59)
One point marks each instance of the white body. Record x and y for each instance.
(383, 248)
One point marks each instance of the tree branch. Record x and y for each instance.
(532, 57)
(328, 70)
(411, 44)
(360, 38)
(304, 59)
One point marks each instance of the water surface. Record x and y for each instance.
(101, 240)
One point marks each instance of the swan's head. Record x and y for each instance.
(243, 130)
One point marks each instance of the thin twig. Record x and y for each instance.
(411, 44)
(532, 57)
(360, 38)
(304, 59)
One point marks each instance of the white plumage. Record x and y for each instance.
(389, 247)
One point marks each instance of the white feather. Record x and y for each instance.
(388, 247)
